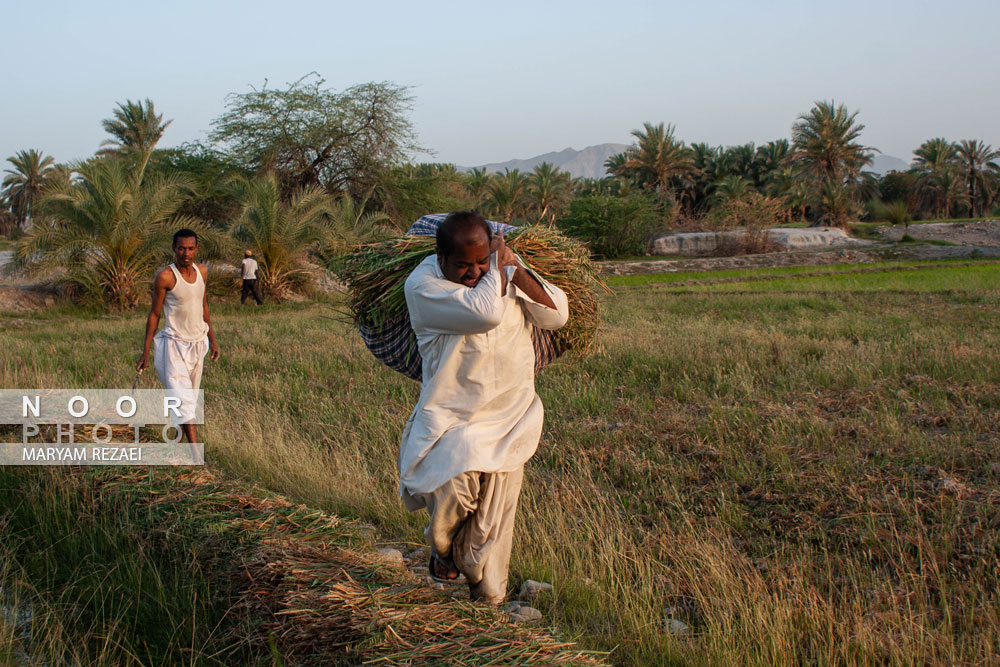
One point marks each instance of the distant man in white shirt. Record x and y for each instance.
(180, 348)
(250, 285)
(478, 418)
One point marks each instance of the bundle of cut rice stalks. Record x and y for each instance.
(375, 275)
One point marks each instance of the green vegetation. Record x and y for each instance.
(795, 468)
(612, 226)
(756, 274)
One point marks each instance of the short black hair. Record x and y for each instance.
(456, 223)
(183, 234)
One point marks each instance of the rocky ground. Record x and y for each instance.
(982, 233)
(973, 239)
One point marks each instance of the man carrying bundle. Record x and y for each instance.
(478, 418)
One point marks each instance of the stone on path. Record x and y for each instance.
(531, 588)
(525, 614)
(390, 556)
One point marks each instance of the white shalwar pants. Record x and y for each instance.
(472, 522)
(179, 364)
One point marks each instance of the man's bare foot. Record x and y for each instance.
(442, 569)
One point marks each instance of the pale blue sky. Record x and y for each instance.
(513, 79)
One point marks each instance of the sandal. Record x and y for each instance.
(445, 564)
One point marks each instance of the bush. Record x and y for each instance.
(754, 214)
(612, 226)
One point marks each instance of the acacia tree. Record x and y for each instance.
(23, 185)
(310, 135)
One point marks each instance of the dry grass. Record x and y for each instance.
(801, 478)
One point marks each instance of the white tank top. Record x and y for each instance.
(183, 308)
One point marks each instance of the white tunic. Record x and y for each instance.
(478, 410)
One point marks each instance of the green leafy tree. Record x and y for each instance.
(23, 185)
(613, 226)
(211, 172)
(281, 230)
(310, 135)
(408, 192)
(108, 230)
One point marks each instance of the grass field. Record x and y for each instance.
(803, 470)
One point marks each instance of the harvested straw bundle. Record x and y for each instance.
(376, 273)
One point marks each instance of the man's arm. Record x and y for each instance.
(545, 304)
(439, 306)
(213, 348)
(163, 281)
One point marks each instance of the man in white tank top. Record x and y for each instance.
(180, 348)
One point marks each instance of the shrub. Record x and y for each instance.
(755, 214)
(613, 226)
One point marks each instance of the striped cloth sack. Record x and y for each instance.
(394, 343)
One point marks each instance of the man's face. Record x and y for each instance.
(184, 251)
(470, 259)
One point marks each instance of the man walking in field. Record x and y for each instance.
(248, 270)
(179, 353)
(478, 418)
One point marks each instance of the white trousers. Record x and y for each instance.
(179, 365)
(472, 522)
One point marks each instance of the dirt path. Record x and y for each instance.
(983, 234)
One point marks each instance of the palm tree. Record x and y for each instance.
(350, 226)
(731, 188)
(108, 230)
(658, 158)
(825, 146)
(770, 158)
(980, 169)
(281, 230)
(23, 185)
(505, 193)
(935, 161)
(825, 143)
(476, 182)
(615, 165)
(135, 129)
(548, 188)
